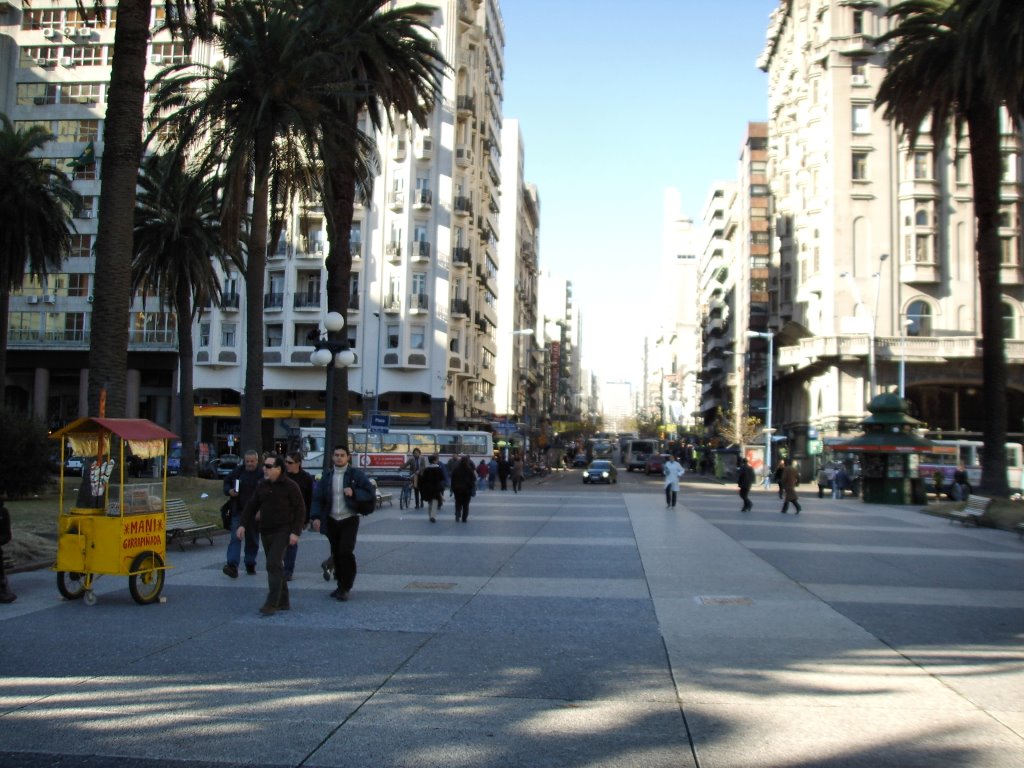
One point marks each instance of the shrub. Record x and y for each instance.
(24, 455)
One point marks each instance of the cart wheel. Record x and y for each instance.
(70, 585)
(90, 597)
(147, 578)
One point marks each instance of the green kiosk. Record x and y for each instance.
(890, 450)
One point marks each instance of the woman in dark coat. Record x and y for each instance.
(463, 484)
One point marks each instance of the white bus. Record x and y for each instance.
(637, 452)
(382, 456)
(948, 454)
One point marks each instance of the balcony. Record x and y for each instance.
(353, 302)
(462, 257)
(306, 300)
(422, 199)
(394, 252)
(230, 302)
(398, 146)
(466, 105)
(392, 305)
(460, 308)
(418, 303)
(273, 300)
(463, 156)
(920, 272)
(462, 206)
(424, 148)
(933, 349)
(396, 199)
(355, 249)
(420, 251)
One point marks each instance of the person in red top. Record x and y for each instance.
(482, 471)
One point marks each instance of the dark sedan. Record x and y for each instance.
(600, 471)
(222, 466)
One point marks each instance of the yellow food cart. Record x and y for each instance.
(112, 527)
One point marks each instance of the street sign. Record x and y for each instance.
(380, 423)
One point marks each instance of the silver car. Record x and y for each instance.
(600, 471)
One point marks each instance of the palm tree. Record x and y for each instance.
(932, 73)
(382, 62)
(36, 205)
(255, 123)
(177, 244)
(119, 168)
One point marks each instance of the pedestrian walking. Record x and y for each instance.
(463, 487)
(282, 513)
(673, 471)
(790, 480)
(294, 471)
(777, 476)
(504, 468)
(492, 473)
(239, 487)
(336, 500)
(414, 465)
(517, 472)
(839, 481)
(6, 596)
(482, 471)
(432, 486)
(745, 481)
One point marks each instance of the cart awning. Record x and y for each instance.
(126, 429)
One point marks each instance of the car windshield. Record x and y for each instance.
(599, 465)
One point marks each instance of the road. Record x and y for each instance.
(569, 625)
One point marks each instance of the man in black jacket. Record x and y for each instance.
(282, 513)
(335, 514)
(432, 482)
(302, 478)
(239, 486)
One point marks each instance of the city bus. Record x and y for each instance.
(947, 455)
(382, 456)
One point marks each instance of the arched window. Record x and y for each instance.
(919, 313)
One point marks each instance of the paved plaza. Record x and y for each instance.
(564, 626)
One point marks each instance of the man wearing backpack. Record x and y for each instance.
(340, 498)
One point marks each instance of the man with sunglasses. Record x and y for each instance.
(302, 478)
(282, 513)
(336, 515)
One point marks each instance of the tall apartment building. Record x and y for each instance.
(517, 379)
(423, 314)
(873, 268)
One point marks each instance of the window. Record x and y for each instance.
(353, 285)
(454, 341)
(355, 239)
(352, 332)
(417, 336)
(419, 283)
(204, 334)
(921, 165)
(78, 130)
(860, 166)
(302, 334)
(36, 93)
(228, 332)
(1009, 167)
(1009, 255)
(80, 93)
(858, 22)
(920, 316)
(88, 55)
(861, 118)
(859, 71)
(78, 284)
(393, 336)
(81, 246)
(169, 54)
(1009, 321)
(962, 168)
(275, 335)
(30, 56)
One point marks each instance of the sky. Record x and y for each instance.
(618, 101)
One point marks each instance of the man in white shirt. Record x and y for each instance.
(673, 472)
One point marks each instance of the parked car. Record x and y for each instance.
(655, 464)
(73, 465)
(600, 471)
(223, 466)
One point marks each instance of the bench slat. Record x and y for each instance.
(181, 526)
(974, 509)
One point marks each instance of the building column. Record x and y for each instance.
(132, 383)
(41, 395)
(83, 393)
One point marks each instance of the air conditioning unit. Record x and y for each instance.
(70, 31)
(46, 62)
(67, 61)
(157, 59)
(50, 298)
(859, 79)
(33, 299)
(49, 33)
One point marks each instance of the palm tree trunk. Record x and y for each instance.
(122, 151)
(256, 261)
(5, 325)
(986, 164)
(186, 407)
(338, 264)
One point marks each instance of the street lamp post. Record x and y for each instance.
(330, 353)
(768, 404)
(872, 320)
(904, 325)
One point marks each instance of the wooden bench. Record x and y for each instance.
(972, 512)
(181, 526)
